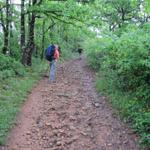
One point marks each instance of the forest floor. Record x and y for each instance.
(69, 115)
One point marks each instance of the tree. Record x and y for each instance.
(68, 12)
(5, 25)
(22, 27)
(55, 14)
(27, 52)
(117, 13)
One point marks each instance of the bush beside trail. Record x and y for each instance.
(123, 66)
(16, 80)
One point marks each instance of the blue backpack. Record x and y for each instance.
(49, 52)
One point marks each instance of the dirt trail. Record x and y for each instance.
(68, 115)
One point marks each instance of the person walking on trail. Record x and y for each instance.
(80, 51)
(52, 55)
(53, 63)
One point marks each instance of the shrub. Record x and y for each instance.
(9, 67)
(123, 64)
(97, 50)
(142, 126)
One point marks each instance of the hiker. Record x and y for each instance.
(52, 55)
(53, 63)
(80, 50)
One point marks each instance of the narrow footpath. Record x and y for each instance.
(69, 115)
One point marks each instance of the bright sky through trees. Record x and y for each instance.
(16, 1)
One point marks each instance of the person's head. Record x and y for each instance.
(56, 46)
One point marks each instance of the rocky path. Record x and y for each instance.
(68, 115)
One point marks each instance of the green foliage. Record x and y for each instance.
(14, 46)
(130, 60)
(142, 126)
(11, 97)
(6, 74)
(147, 5)
(9, 67)
(117, 13)
(123, 65)
(97, 48)
(13, 94)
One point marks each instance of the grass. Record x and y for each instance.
(130, 109)
(13, 92)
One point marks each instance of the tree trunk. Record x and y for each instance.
(43, 39)
(22, 28)
(27, 53)
(10, 28)
(5, 48)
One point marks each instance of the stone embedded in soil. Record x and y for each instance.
(64, 95)
(58, 143)
(72, 118)
(97, 105)
(71, 127)
(83, 133)
(28, 133)
(109, 144)
(125, 142)
(70, 141)
(61, 131)
(29, 142)
(48, 124)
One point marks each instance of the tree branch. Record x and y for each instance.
(50, 26)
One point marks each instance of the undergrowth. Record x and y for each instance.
(14, 87)
(123, 67)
